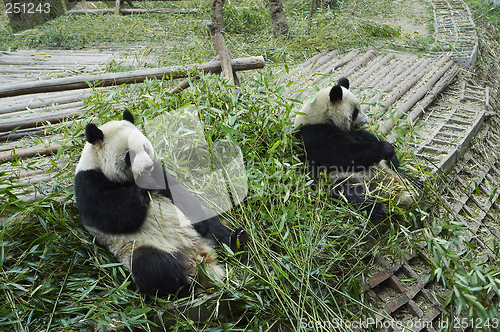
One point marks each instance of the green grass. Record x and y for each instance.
(305, 251)
(185, 39)
(308, 255)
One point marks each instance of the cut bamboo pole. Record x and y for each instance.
(324, 59)
(393, 71)
(9, 136)
(389, 124)
(10, 146)
(348, 58)
(138, 76)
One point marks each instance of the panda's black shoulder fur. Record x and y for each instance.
(108, 206)
(330, 149)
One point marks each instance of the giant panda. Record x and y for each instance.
(148, 220)
(360, 164)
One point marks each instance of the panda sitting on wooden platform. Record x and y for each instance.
(148, 220)
(359, 163)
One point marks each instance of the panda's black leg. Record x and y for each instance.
(356, 195)
(160, 273)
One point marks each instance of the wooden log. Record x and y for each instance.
(222, 51)
(331, 67)
(39, 102)
(442, 84)
(134, 11)
(5, 137)
(389, 124)
(410, 80)
(118, 6)
(138, 76)
(52, 117)
(182, 86)
(29, 152)
(22, 114)
(386, 59)
(217, 13)
(387, 81)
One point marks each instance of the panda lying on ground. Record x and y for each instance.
(148, 220)
(357, 161)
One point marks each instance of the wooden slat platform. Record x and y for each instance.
(389, 86)
(31, 65)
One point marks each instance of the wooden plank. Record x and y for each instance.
(138, 76)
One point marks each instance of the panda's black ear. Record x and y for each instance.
(336, 93)
(128, 116)
(344, 82)
(93, 134)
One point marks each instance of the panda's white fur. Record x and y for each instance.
(330, 127)
(119, 137)
(140, 225)
(322, 110)
(165, 228)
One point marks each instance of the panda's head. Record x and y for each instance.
(336, 105)
(118, 149)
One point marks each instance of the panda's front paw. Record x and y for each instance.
(147, 182)
(394, 162)
(387, 151)
(377, 212)
(238, 239)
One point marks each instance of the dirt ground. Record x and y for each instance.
(413, 17)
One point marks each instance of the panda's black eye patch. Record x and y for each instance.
(355, 114)
(128, 162)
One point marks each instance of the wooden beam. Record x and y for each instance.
(222, 51)
(137, 76)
